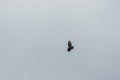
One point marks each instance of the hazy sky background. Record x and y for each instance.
(34, 35)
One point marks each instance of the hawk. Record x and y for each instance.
(70, 46)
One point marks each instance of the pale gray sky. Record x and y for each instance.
(34, 35)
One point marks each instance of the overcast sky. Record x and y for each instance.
(34, 35)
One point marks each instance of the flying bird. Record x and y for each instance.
(70, 46)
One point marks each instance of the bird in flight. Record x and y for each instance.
(70, 46)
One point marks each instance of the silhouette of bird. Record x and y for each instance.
(70, 46)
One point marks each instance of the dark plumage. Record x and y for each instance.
(70, 47)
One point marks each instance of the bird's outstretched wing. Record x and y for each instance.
(69, 43)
